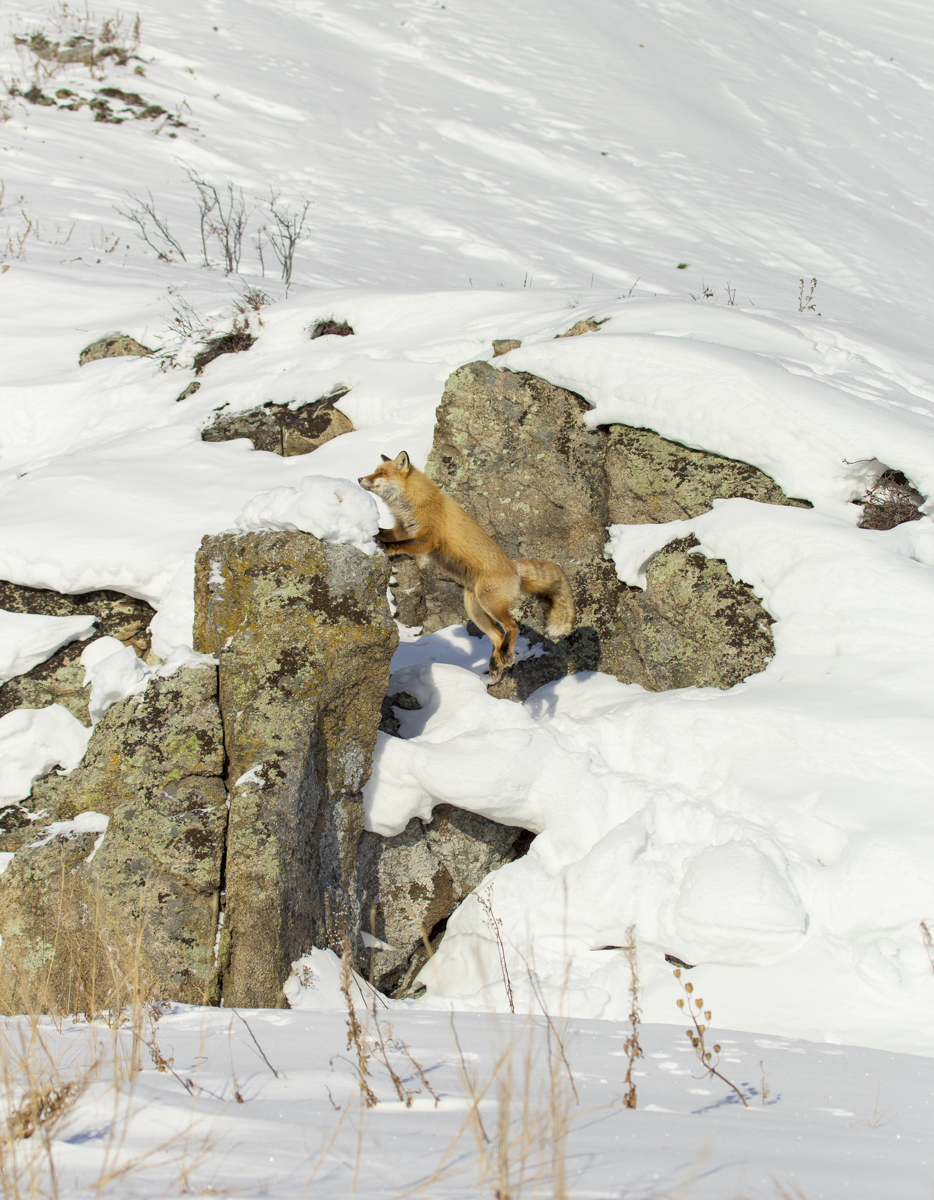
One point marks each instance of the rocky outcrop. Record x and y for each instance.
(81, 909)
(117, 345)
(303, 635)
(513, 450)
(209, 837)
(411, 883)
(60, 679)
(281, 430)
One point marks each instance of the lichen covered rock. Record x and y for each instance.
(303, 635)
(279, 429)
(513, 450)
(117, 345)
(60, 679)
(411, 883)
(79, 912)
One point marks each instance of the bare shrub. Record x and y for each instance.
(284, 234)
(223, 216)
(697, 1034)
(631, 1045)
(890, 501)
(806, 300)
(153, 229)
(495, 926)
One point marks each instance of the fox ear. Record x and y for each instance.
(384, 457)
(401, 463)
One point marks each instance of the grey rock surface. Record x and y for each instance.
(304, 637)
(513, 450)
(117, 345)
(80, 911)
(281, 430)
(411, 883)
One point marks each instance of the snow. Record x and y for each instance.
(115, 671)
(333, 510)
(27, 640)
(822, 1121)
(32, 742)
(481, 172)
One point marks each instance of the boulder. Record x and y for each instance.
(411, 883)
(282, 430)
(514, 451)
(304, 637)
(117, 345)
(82, 909)
(60, 679)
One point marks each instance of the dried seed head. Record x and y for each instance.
(701, 1028)
(680, 1002)
(716, 1049)
(689, 987)
(699, 1003)
(707, 1015)
(677, 972)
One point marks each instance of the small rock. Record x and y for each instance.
(279, 429)
(590, 325)
(190, 391)
(329, 327)
(504, 345)
(228, 343)
(118, 345)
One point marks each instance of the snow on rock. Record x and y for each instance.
(817, 441)
(115, 671)
(779, 833)
(314, 984)
(27, 639)
(32, 742)
(334, 510)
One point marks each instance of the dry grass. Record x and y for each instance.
(692, 1006)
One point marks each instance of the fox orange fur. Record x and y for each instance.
(428, 522)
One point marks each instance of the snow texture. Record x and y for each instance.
(33, 741)
(27, 640)
(334, 510)
(680, 173)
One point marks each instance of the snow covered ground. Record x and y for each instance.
(480, 172)
(823, 1120)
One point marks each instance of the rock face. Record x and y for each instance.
(118, 345)
(60, 679)
(303, 635)
(513, 450)
(411, 883)
(280, 430)
(78, 910)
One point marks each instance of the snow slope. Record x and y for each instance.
(478, 172)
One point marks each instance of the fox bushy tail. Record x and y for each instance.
(543, 578)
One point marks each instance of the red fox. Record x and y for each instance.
(428, 522)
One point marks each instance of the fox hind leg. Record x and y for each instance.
(496, 609)
(482, 619)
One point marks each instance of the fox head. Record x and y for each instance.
(388, 480)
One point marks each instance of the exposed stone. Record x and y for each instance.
(304, 638)
(513, 450)
(193, 387)
(60, 679)
(118, 345)
(504, 345)
(411, 883)
(331, 327)
(281, 430)
(79, 910)
(589, 325)
(235, 342)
